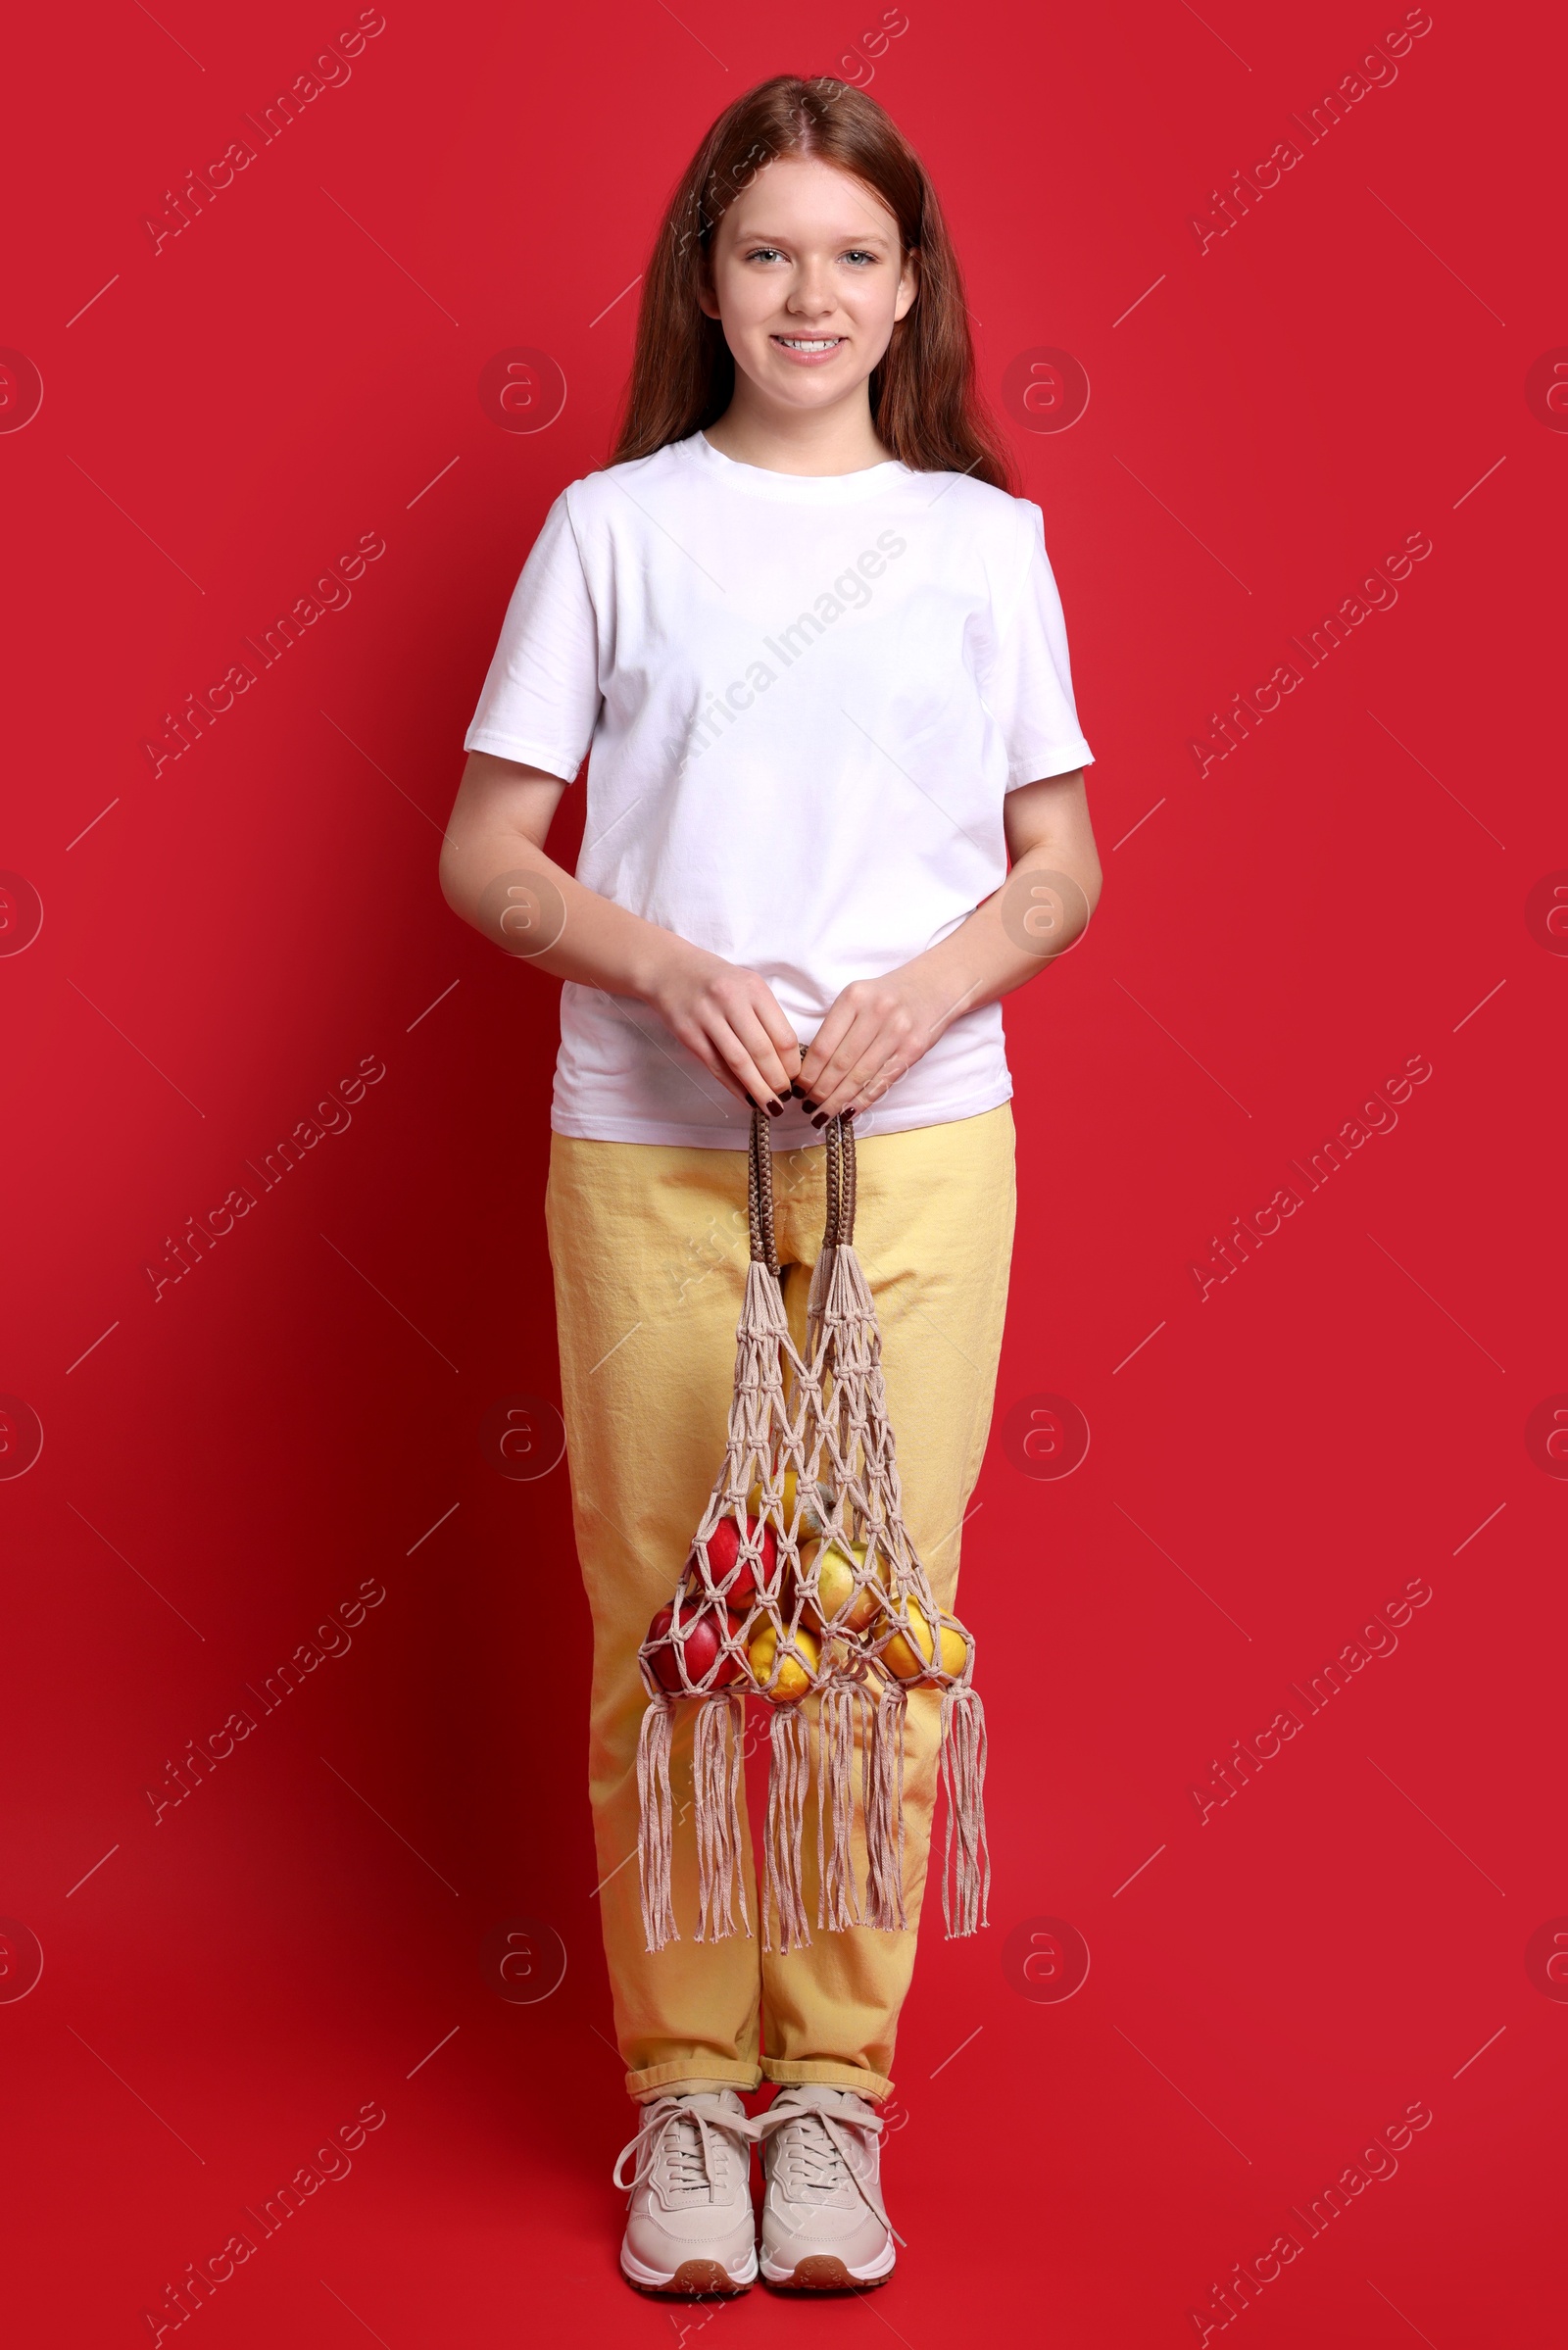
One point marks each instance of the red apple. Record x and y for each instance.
(731, 1668)
(698, 1642)
(664, 1662)
(723, 1553)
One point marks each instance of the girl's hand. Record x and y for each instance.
(730, 1019)
(878, 1028)
(874, 1031)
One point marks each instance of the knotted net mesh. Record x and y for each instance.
(804, 1591)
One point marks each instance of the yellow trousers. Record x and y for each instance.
(649, 1245)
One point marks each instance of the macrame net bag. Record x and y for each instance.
(804, 1584)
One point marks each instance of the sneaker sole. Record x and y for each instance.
(824, 2272)
(693, 2281)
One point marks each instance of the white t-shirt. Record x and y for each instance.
(806, 698)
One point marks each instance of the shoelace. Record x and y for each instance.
(687, 2132)
(827, 2155)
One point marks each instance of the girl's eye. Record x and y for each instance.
(857, 253)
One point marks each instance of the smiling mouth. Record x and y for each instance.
(809, 342)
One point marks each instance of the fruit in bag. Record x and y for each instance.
(817, 1507)
(794, 1679)
(839, 1605)
(698, 1641)
(908, 1656)
(723, 1553)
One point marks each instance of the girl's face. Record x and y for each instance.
(807, 279)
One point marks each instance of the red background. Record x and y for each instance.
(221, 418)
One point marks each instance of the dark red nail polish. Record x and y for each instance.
(796, 1091)
(820, 1118)
(775, 1109)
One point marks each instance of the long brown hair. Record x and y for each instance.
(926, 405)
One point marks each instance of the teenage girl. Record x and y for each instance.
(813, 646)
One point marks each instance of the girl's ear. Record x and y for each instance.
(908, 285)
(705, 301)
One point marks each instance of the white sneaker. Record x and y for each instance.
(690, 2227)
(823, 2224)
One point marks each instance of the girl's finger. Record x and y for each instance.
(775, 1058)
(824, 1046)
(732, 1049)
(855, 1060)
(725, 1057)
(703, 1049)
(786, 1044)
(872, 1091)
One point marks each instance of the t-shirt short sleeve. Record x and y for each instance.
(541, 700)
(1028, 687)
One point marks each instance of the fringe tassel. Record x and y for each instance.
(789, 1774)
(882, 1802)
(655, 1835)
(838, 1900)
(967, 1862)
(717, 1737)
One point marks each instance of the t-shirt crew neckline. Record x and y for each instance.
(794, 489)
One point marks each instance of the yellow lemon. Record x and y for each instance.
(794, 1680)
(910, 1663)
(840, 1604)
(814, 1514)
